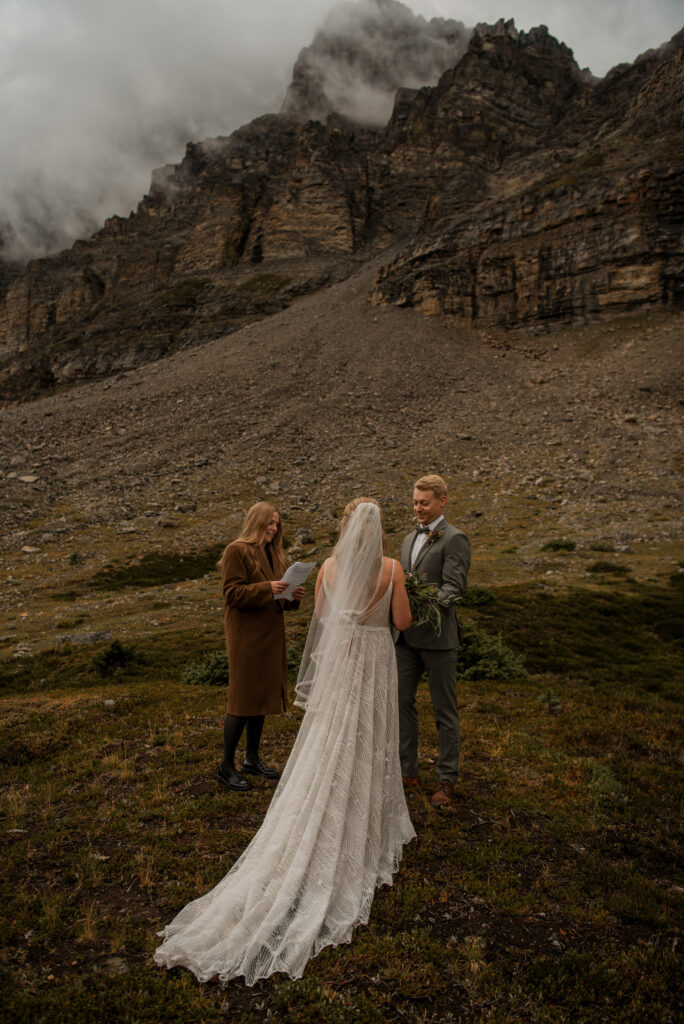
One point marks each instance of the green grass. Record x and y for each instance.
(550, 892)
(630, 635)
(561, 544)
(156, 568)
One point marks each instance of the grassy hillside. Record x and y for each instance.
(550, 891)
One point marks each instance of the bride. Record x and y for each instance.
(338, 820)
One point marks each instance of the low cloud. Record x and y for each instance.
(94, 95)
(365, 52)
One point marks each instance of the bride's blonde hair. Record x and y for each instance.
(354, 504)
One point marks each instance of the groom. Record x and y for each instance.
(440, 554)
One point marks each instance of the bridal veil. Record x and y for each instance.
(338, 820)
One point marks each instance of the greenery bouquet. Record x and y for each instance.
(426, 607)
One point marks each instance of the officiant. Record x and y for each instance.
(252, 567)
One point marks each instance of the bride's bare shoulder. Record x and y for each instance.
(390, 567)
(327, 569)
(398, 568)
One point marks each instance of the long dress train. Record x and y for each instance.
(334, 831)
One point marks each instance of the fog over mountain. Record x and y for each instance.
(94, 95)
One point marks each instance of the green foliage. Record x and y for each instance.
(605, 636)
(294, 658)
(210, 671)
(144, 995)
(310, 1002)
(157, 568)
(70, 667)
(116, 657)
(551, 700)
(482, 656)
(475, 597)
(562, 544)
(640, 985)
(426, 608)
(549, 892)
(609, 567)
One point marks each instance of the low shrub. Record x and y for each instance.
(475, 597)
(116, 657)
(210, 671)
(294, 657)
(562, 544)
(483, 656)
(609, 567)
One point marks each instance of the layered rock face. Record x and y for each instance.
(518, 190)
(592, 225)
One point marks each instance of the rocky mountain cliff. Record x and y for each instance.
(516, 191)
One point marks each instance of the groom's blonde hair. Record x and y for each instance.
(433, 483)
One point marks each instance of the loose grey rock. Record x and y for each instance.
(94, 637)
(114, 965)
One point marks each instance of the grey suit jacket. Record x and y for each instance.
(445, 562)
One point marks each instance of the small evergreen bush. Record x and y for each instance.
(553, 705)
(211, 671)
(115, 658)
(562, 544)
(475, 596)
(482, 656)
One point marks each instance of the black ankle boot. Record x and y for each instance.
(231, 779)
(255, 766)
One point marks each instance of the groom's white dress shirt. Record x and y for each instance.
(420, 540)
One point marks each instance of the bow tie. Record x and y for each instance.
(422, 529)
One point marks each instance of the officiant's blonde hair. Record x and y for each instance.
(252, 532)
(432, 482)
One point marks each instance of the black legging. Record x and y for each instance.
(233, 727)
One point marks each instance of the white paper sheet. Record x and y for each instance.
(294, 577)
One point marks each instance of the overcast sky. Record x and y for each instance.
(95, 93)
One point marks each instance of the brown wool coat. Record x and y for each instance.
(255, 633)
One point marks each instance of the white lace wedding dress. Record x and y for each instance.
(335, 828)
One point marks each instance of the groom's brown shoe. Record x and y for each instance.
(443, 795)
(411, 781)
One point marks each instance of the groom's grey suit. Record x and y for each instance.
(444, 562)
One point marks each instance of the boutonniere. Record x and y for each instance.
(434, 535)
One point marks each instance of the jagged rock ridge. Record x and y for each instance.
(521, 190)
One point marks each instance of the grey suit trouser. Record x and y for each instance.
(441, 672)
